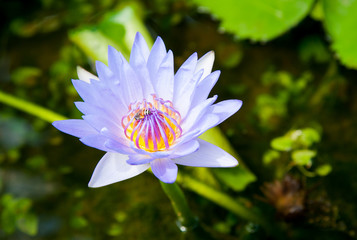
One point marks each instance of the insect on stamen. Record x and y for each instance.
(142, 113)
(152, 126)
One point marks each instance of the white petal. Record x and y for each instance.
(206, 63)
(208, 155)
(84, 75)
(113, 168)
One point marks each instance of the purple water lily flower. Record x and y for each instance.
(144, 115)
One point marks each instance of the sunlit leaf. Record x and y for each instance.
(282, 143)
(118, 29)
(258, 20)
(317, 12)
(309, 136)
(303, 157)
(340, 22)
(237, 178)
(324, 170)
(93, 42)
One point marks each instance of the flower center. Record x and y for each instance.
(152, 126)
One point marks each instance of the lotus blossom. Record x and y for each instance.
(143, 115)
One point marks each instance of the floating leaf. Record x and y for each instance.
(340, 22)
(324, 170)
(258, 20)
(282, 143)
(303, 157)
(309, 136)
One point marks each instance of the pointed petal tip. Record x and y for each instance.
(55, 124)
(210, 54)
(138, 38)
(111, 48)
(232, 163)
(239, 104)
(138, 34)
(159, 43)
(84, 75)
(206, 63)
(92, 184)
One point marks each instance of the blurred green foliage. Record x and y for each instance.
(15, 214)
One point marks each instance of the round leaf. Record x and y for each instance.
(303, 157)
(341, 22)
(282, 143)
(259, 20)
(323, 170)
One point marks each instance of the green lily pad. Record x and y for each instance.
(258, 20)
(340, 22)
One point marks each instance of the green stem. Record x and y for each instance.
(306, 172)
(186, 220)
(30, 108)
(222, 200)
